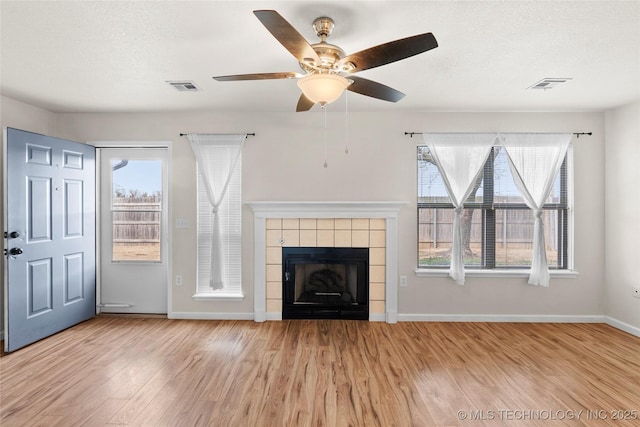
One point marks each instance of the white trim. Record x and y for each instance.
(260, 270)
(97, 231)
(633, 330)
(492, 318)
(169, 247)
(500, 318)
(188, 315)
(444, 272)
(391, 270)
(219, 296)
(380, 209)
(5, 226)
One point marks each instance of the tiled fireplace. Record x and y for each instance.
(370, 225)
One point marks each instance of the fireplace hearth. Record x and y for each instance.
(325, 283)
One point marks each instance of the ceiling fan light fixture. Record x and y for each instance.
(323, 88)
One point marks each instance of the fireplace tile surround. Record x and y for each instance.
(326, 224)
(326, 232)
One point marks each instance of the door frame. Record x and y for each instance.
(5, 221)
(3, 246)
(99, 219)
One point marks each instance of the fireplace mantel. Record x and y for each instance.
(330, 209)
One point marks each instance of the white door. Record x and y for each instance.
(133, 230)
(50, 230)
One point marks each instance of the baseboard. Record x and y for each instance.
(513, 318)
(134, 315)
(210, 316)
(633, 330)
(496, 318)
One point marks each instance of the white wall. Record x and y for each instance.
(622, 213)
(284, 162)
(19, 115)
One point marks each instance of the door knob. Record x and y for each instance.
(15, 251)
(14, 234)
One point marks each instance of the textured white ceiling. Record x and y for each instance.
(77, 56)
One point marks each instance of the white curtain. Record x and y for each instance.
(535, 160)
(224, 152)
(460, 158)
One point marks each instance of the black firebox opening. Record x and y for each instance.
(325, 283)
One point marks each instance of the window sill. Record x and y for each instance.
(444, 272)
(219, 296)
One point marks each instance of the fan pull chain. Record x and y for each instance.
(346, 122)
(326, 150)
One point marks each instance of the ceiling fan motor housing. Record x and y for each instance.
(329, 54)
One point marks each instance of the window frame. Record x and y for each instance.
(487, 266)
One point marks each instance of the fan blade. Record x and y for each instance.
(374, 89)
(388, 52)
(288, 36)
(304, 103)
(259, 76)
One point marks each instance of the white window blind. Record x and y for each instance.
(221, 156)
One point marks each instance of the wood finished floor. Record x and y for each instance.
(160, 372)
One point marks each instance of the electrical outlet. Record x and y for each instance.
(403, 281)
(179, 280)
(636, 292)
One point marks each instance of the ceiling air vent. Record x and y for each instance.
(184, 85)
(549, 83)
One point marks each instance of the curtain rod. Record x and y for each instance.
(577, 134)
(248, 134)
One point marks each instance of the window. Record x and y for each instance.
(136, 210)
(497, 225)
(220, 156)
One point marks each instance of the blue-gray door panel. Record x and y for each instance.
(51, 204)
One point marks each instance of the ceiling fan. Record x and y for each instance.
(326, 65)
